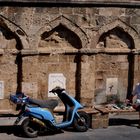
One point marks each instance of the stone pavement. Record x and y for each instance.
(7, 120)
(121, 127)
(114, 118)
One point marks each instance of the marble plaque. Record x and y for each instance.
(56, 79)
(111, 86)
(1, 89)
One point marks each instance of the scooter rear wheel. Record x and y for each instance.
(29, 128)
(82, 124)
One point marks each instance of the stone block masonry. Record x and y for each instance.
(87, 42)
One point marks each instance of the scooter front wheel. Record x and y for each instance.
(29, 128)
(82, 122)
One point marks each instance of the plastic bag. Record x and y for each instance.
(136, 104)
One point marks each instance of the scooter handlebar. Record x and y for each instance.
(57, 90)
(19, 100)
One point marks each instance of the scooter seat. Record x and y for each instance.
(50, 103)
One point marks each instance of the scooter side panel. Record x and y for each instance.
(41, 113)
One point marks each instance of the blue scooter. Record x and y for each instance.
(37, 116)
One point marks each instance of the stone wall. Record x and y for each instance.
(92, 51)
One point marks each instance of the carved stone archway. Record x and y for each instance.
(19, 34)
(125, 28)
(67, 23)
(12, 41)
(58, 46)
(118, 43)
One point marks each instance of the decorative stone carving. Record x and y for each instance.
(116, 39)
(23, 39)
(67, 24)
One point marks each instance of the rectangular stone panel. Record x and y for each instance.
(30, 88)
(1, 89)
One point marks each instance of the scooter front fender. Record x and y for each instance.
(20, 118)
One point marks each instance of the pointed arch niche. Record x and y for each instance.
(59, 55)
(115, 63)
(60, 39)
(10, 61)
(116, 38)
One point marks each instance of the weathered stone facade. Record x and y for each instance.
(95, 48)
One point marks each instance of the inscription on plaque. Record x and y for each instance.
(56, 79)
(111, 86)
